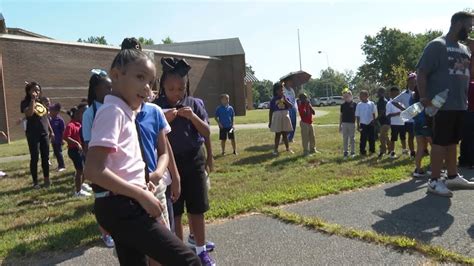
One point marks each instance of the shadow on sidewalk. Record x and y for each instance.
(406, 187)
(423, 219)
(470, 231)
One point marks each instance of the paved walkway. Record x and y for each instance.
(401, 208)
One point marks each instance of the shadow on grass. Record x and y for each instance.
(260, 148)
(38, 204)
(57, 185)
(23, 254)
(79, 211)
(423, 219)
(285, 161)
(256, 159)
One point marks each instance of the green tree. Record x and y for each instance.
(400, 73)
(248, 68)
(145, 41)
(94, 39)
(389, 48)
(262, 91)
(167, 40)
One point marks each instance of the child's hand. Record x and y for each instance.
(358, 128)
(186, 112)
(210, 164)
(220, 125)
(151, 204)
(155, 177)
(270, 125)
(340, 128)
(151, 187)
(51, 136)
(175, 191)
(171, 115)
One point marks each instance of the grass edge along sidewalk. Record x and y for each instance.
(35, 221)
(397, 242)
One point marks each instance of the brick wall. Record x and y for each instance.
(63, 70)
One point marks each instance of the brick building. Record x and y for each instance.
(63, 70)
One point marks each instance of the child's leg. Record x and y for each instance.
(44, 151)
(351, 131)
(403, 138)
(58, 153)
(286, 140)
(312, 139)
(33, 146)
(304, 136)
(199, 231)
(178, 226)
(345, 138)
(277, 141)
(371, 135)
(363, 139)
(232, 141)
(420, 151)
(223, 146)
(139, 235)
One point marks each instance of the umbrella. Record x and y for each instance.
(299, 77)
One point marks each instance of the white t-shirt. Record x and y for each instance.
(366, 112)
(394, 120)
(404, 99)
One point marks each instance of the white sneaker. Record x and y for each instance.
(61, 170)
(459, 182)
(438, 187)
(82, 194)
(405, 152)
(2, 174)
(86, 187)
(393, 155)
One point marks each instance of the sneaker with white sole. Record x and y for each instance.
(393, 155)
(210, 246)
(459, 182)
(206, 259)
(82, 194)
(108, 241)
(61, 169)
(86, 187)
(439, 188)
(418, 173)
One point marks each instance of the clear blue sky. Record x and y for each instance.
(267, 29)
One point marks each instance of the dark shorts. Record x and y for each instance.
(191, 167)
(410, 128)
(225, 133)
(397, 131)
(448, 127)
(423, 131)
(76, 158)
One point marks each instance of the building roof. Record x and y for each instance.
(42, 40)
(220, 47)
(22, 32)
(249, 77)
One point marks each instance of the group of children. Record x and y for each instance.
(146, 161)
(281, 122)
(376, 120)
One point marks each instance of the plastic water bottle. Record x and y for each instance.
(412, 111)
(437, 102)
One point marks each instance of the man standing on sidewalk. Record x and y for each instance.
(445, 65)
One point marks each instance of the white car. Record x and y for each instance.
(264, 105)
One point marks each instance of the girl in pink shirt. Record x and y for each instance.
(123, 205)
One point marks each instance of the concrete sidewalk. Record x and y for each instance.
(405, 209)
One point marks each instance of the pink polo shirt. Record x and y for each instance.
(114, 128)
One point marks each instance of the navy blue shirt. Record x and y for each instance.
(152, 121)
(184, 137)
(225, 114)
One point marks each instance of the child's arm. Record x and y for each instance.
(96, 171)
(29, 111)
(201, 126)
(358, 123)
(176, 178)
(163, 158)
(210, 156)
(312, 109)
(70, 141)
(270, 114)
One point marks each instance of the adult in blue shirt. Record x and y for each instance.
(290, 94)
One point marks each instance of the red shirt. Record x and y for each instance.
(73, 130)
(470, 97)
(305, 111)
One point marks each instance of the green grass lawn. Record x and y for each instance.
(17, 147)
(51, 220)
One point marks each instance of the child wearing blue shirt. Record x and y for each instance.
(225, 119)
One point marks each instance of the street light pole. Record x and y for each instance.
(299, 48)
(327, 61)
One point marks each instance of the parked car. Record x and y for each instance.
(315, 101)
(323, 101)
(264, 105)
(336, 100)
(356, 99)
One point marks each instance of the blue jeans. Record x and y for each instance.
(293, 112)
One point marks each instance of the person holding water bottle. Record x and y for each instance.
(443, 66)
